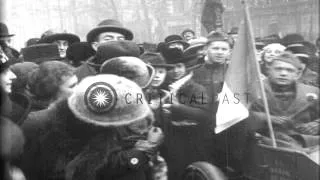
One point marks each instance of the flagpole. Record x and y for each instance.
(264, 97)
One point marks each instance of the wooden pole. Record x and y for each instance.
(264, 97)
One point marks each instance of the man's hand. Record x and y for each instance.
(155, 135)
(166, 109)
(281, 120)
(311, 128)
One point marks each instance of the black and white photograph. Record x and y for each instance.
(159, 90)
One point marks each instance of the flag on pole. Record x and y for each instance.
(242, 80)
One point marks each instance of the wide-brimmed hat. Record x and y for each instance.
(155, 60)
(131, 68)
(4, 32)
(109, 101)
(109, 25)
(113, 49)
(190, 57)
(50, 38)
(175, 39)
(41, 52)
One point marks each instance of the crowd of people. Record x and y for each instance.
(109, 108)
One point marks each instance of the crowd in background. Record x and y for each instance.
(109, 108)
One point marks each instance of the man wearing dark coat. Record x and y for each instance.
(94, 134)
(107, 30)
(294, 107)
(5, 39)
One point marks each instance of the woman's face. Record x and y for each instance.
(66, 89)
(179, 71)
(159, 77)
(6, 80)
(271, 51)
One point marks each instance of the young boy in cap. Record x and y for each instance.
(93, 134)
(294, 110)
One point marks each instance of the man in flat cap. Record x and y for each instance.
(293, 106)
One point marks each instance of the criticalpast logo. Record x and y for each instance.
(100, 97)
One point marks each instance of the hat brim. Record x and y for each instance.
(151, 76)
(166, 66)
(94, 32)
(194, 48)
(4, 36)
(185, 44)
(71, 38)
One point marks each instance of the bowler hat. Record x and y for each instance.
(175, 39)
(292, 39)
(109, 101)
(131, 68)
(155, 60)
(113, 49)
(50, 38)
(4, 32)
(41, 52)
(109, 25)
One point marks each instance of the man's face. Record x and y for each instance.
(62, 46)
(105, 37)
(218, 52)
(188, 35)
(282, 73)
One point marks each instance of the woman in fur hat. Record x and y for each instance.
(94, 134)
(49, 82)
(17, 105)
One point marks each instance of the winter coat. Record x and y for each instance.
(299, 109)
(60, 146)
(88, 68)
(310, 78)
(185, 144)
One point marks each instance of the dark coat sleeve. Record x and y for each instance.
(193, 105)
(125, 163)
